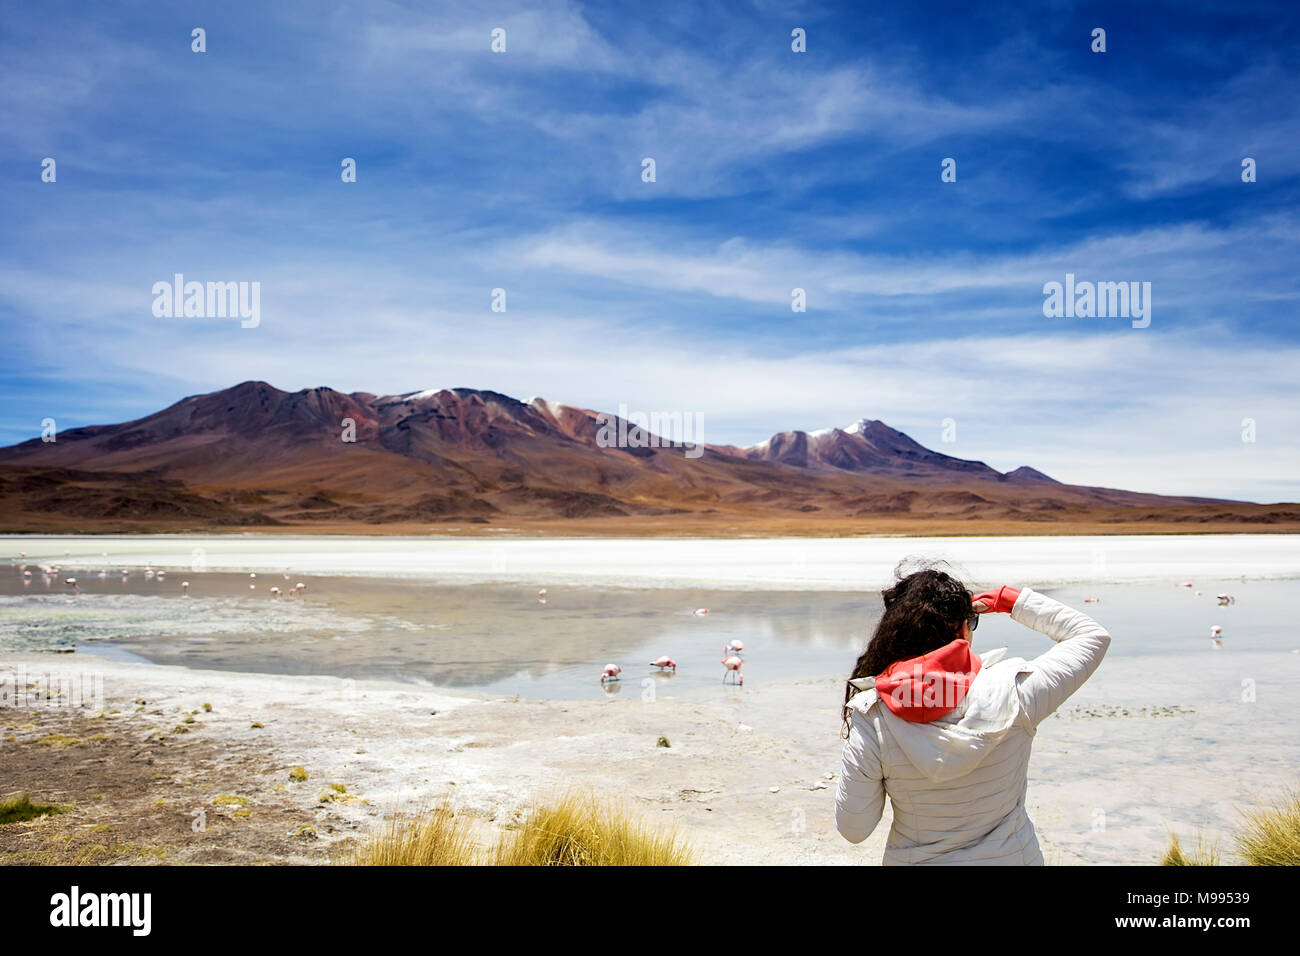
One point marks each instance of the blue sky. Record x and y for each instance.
(775, 170)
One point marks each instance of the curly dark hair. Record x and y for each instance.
(923, 612)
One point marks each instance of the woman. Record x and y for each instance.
(946, 732)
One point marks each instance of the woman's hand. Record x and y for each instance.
(1000, 601)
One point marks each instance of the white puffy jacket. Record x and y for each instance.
(957, 784)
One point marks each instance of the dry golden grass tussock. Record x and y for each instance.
(426, 837)
(574, 830)
(1271, 836)
(1202, 854)
(580, 830)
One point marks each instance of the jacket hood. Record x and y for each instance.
(953, 743)
(922, 689)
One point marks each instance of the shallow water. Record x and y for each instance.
(502, 639)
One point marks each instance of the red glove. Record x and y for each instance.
(1000, 601)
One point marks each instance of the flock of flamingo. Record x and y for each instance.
(51, 571)
(1216, 632)
(731, 660)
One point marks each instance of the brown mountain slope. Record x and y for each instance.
(255, 456)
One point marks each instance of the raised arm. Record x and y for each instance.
(1081, 643)
(860, 797)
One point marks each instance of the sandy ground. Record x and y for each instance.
(748, 778)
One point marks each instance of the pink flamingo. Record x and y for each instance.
(275, 592)
(611, 673)
(735, 647)
(733, 664)
(664, 661)
(700, 611)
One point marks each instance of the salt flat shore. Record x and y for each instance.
(749, 777)
(748, 563)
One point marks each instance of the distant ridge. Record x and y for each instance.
(255, 455)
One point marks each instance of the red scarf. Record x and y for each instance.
(922, 689)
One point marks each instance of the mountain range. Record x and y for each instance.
(461, 458)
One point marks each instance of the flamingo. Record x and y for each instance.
(733, 664)
(700, 611)
(1185, 584)
(664, 661)
(735, 647)
(611, 673)
(300, 586)
(1215, 636)
(1092, 600)
(541, 592)
(1226, 599)
(275, 592)
(185, 586)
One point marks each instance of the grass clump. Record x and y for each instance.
(433, 837)
(1271, 836)
(298, 773)
(17, 808)
(578, 830)
(1267, 837)
(575, 830)
(1202, 854)
(60, 741)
